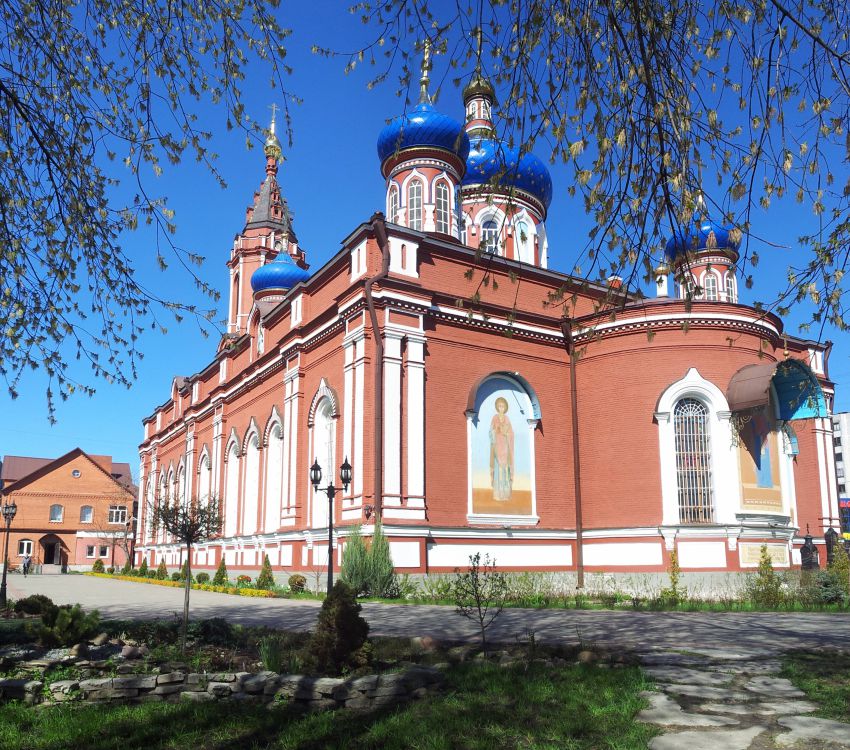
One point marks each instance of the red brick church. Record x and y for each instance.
(432, 352)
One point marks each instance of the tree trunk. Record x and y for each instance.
(188, 588)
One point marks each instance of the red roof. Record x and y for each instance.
(14, 468)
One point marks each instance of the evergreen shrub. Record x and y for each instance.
(202, 578)
(97, 567)
(382, 580)
(339, 643)
(265, 580)
(764, 587)
(175, 576)
(355, 563)
(297, 583)
(143, 569)
(65, 626)
(34, 604)
(220, 577)
(162, 571)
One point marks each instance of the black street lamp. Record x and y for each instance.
(330, 491)
(9, 510)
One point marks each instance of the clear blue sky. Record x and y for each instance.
(332, 182)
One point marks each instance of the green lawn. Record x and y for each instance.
(484, 708)
(824, 676)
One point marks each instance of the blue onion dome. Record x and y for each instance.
(279, 275)
(491, 161)
(424, 127)
(703, 234)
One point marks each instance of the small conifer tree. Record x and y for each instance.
(765, 587)
(220, 577)
(339, 641)
(355, 563)
(161, 571)
(184, 572)
(380, 565)
(125, 571)
(265, 580)
(143, 568)
(840, 568)
(98, 566)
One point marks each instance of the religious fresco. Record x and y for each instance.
(501, 450)
(758, 451)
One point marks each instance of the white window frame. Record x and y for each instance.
(103, 550)
(724, 457)
(490, 236)
(415, 190)
(442, 207)
(729, 287)
(392, 205)
(61, 513)
(90, 550)
(471, 111)
(710, 288)
(24, 547)
(118, 514)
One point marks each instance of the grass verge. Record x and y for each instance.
(485, 707)
(824, 676)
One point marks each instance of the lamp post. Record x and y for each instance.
(9, 510)
(330, 491)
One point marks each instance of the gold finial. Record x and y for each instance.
(426, 67)
(272, 148)
(479, 43)
(785, 347)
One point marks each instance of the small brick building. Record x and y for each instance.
(72, 510)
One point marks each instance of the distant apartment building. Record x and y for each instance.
(841, 446)
(72, 510)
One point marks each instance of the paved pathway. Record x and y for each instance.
(634, 630)
(731, 700)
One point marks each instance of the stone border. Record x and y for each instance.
(301, 691)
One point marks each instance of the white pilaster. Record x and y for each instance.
(415, 372)
(392, 419)
(359, 395)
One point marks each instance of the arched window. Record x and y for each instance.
(204, 477)
(149, 511)
(261, 339)
(252, 485)
(86, 514)
(710, 287)
(693, 461)
(392, 206)
(56, 513)
(274, 478)
(442, 201)
(522, 242)
(180, 490)
(235, 294)
(414, 205)
(490, 236)
(470, 111)
(231, 491)
(730, 288)
(485, 110)
(323, 451)
(163, 498)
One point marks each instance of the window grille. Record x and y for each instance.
(693, 462)
(442, 208)
(393, 205)
(414, 205)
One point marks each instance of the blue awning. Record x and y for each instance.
(797, 393)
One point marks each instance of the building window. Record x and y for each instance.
(414, 205)
(90, 550)
(392, 208)
(693, 462)
(117, 514)
(104, 550)
(261, 339)
(86, 514)
(24, 547)
(730, 288)
(490, 236)
(442, 193)
(470, 111)
(711, 287)
(56, 513)
(76, 473)
(522, 243)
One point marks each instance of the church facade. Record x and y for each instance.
(484, 402)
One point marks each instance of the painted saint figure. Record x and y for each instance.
(501, 452)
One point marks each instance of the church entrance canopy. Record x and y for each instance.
(797, 393)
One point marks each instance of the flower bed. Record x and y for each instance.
(257, 593)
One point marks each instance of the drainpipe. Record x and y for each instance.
(379, 226)
(566, 329)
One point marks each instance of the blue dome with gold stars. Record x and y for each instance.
(491, 161)
(702, 234)
(424, 127)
